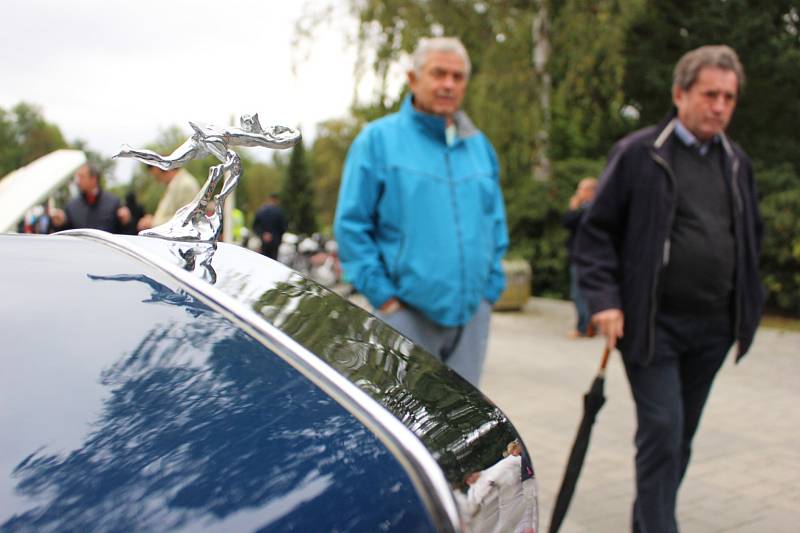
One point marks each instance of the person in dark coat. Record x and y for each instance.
(93, 207)
(668, 258)
(578, 204)
(270, 225)
(136, 210)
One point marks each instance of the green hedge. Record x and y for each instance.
(534, 217)
(779, 188)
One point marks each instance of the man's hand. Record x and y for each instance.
(124, 215)
(146, 222)
(611, 323)
(390, 306)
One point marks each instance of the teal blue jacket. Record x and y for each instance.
(422, 221)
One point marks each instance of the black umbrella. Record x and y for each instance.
(593, 400)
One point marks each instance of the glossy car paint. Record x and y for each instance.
(461, 429)
(127, 403)
(460, 426)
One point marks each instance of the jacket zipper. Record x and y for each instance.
(453, 199)
(664, 258)
(737, 204)
(400, 252)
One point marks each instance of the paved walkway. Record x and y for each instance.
(745, 473)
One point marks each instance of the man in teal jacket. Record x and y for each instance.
(420, 220)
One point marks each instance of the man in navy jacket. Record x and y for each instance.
(93, 207)
(668, 261)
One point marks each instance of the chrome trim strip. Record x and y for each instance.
(421, 467)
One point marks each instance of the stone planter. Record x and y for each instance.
(518, 285)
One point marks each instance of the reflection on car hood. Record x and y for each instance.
(127, 403)
(460, 426)
(463, 430)
(473, 442)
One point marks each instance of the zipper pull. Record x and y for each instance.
(665, 261)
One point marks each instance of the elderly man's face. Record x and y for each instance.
(707, 106)
(440, 87)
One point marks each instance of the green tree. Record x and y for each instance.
(587, 67)
(779, 187)
(10, 153)
(297, 197)
(327, 159)
(258, 181)
(25, 136)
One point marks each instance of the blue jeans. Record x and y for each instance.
(462, 348)
(581, 306)
(670, 394)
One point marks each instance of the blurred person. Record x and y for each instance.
(502, 498)
(668, 260)
(240, 233)
(136, 210)
(420, 220)
(578, 204)
(35, 220)
(93, 207)
(181, 189)
(269, 225)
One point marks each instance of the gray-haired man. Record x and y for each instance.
(420, 220)
(668, 261)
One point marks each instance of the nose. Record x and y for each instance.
(720, 103)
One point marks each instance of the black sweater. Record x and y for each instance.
(698, 278)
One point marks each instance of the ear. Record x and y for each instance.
(677, 95)
(411, 75)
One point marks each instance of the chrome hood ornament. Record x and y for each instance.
(192, 222)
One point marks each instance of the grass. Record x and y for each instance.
(780, 322)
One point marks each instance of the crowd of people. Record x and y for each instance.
(663, 245)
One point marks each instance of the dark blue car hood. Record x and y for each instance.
(129, 405)
(129, 398)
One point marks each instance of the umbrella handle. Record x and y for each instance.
(604, 361)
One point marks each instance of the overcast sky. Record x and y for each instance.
(114, 72)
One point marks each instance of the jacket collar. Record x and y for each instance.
(665, 130)
(662, 146)
(435, 125)
(92, 197)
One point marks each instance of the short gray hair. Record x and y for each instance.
(427, 45)
(718, 56)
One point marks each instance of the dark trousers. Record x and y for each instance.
(270, 250)
(581, 305)
(670, 394)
